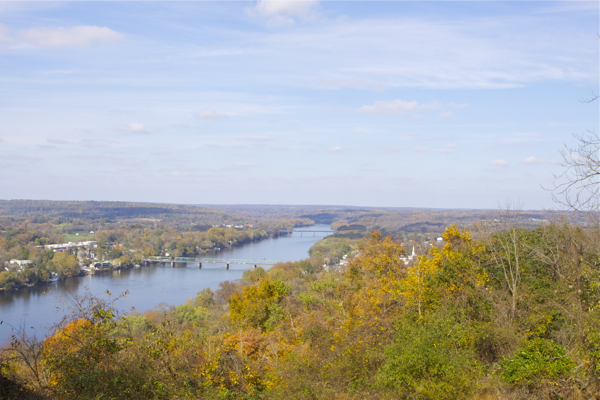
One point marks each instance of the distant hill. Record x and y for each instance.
(101, 209)
(397, 220)
(402, 221)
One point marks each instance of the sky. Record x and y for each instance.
(369, 103)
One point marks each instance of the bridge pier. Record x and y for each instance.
(172, 264)
(255, 266)
(227, 266)
(199, 265)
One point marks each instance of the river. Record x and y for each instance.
(38, 307)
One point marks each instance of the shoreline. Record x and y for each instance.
(16, 288)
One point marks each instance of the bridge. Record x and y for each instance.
(289, 232)
(200, 261)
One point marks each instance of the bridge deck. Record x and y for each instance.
(287, 231)
(211, 261)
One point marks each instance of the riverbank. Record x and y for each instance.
(147, 286)
(110, 253)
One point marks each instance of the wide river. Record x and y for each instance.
(38, 307)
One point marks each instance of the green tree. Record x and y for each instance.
(258, 305)
(205, 298)
(64, 264)
(431, 358)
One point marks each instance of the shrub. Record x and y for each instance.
(541, 360)
(431, 358)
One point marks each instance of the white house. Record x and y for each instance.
(409, 258)
(20, 263)
(63, 246)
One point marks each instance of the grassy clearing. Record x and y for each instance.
(83, 236)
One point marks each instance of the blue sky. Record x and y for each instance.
(391, 103)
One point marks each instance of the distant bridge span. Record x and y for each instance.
(289, 232)
(200, 261)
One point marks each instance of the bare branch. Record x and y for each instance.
(593, 98)
(578, 187)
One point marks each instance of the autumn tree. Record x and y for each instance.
(450, 274)
(258, 305)
(64, 264)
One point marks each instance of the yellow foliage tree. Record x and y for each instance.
(81, 348)
(258, 305)
(416, 287)
(377, 271)
(450, 272)
(365, 303)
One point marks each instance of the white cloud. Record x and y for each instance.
(243, 165)
(533, 160)
(500, 163)
(390, 149)
(180, 125)
(426, 138)
(516, 142)
(353, 84)
(46, 146)
(287, 8)
(258, 138)
(77, 37)
(396, 107)
(462, 105)
(281, 13)
(57, 141)
(449, 148)
(4, 34)
(238, 166)
(419, 149)
(97, 143)
(134, 127)
(484, 52)
(445, 115)
(206, 114)
(335, 149)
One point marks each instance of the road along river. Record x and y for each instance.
(38, 307)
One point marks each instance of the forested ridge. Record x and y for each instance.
(98, 209)
(506, 314)
(407, 223)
